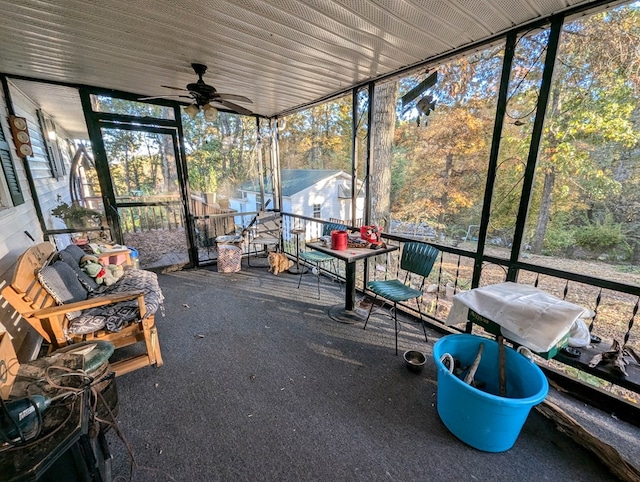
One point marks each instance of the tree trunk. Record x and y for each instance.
(545, 210)
(549, 176)
(444, 198)
(168, 167)
(127, 178)
(382, 129)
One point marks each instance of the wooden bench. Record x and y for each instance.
(27, 296)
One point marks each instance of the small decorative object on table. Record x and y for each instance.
(371, 234)
(357, 243)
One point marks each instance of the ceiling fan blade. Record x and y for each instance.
(238, 98)
(174, 88)
(164, 97)
(234, 107)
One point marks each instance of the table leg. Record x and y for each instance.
(346, 313)
(350, 286)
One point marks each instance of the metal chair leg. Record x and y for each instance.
(255, 252)
(300, 278)
(424, 329)
(395, 320)
(334, 267)
(373, 302)
(318, 278)
(317, 265)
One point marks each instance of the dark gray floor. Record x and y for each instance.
(260, 384)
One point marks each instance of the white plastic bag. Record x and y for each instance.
(579, 335)
(527, 315)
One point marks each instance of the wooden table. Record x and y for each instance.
(347, 314)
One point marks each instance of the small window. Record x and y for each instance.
(317, 211)
(50, 141)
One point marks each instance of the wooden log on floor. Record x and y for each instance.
(608, 455)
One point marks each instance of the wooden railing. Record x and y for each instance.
(142, 218)
(147, 213)
(359, 222)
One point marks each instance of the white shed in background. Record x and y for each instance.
(320, 194)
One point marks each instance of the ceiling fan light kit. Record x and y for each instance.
(192, 111)
(210, 112)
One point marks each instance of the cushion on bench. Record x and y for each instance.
(87, 281)
(117, 315)
(76, 252)
(62, 283)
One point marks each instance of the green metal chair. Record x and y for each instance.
(417, 258)
(316, 258)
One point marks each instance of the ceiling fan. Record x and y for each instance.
(203, 95)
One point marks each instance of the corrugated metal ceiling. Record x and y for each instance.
(279, 53)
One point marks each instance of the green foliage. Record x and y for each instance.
(74, 214)
(559, 240)
(398, 173)
(630, 269)
(318, 137)
(221, 154)
(600, 236)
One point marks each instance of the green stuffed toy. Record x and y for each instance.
(106, 275)
(116, 271)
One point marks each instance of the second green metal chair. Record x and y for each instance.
(316, 258)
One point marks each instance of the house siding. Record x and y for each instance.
(16, 221)
(48, 188)
(324, 193)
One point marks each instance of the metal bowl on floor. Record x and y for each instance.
(414, 360)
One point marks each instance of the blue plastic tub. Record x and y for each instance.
(482, 418)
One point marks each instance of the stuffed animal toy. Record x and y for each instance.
(116, 271)
(93, 269)
(106, 275)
